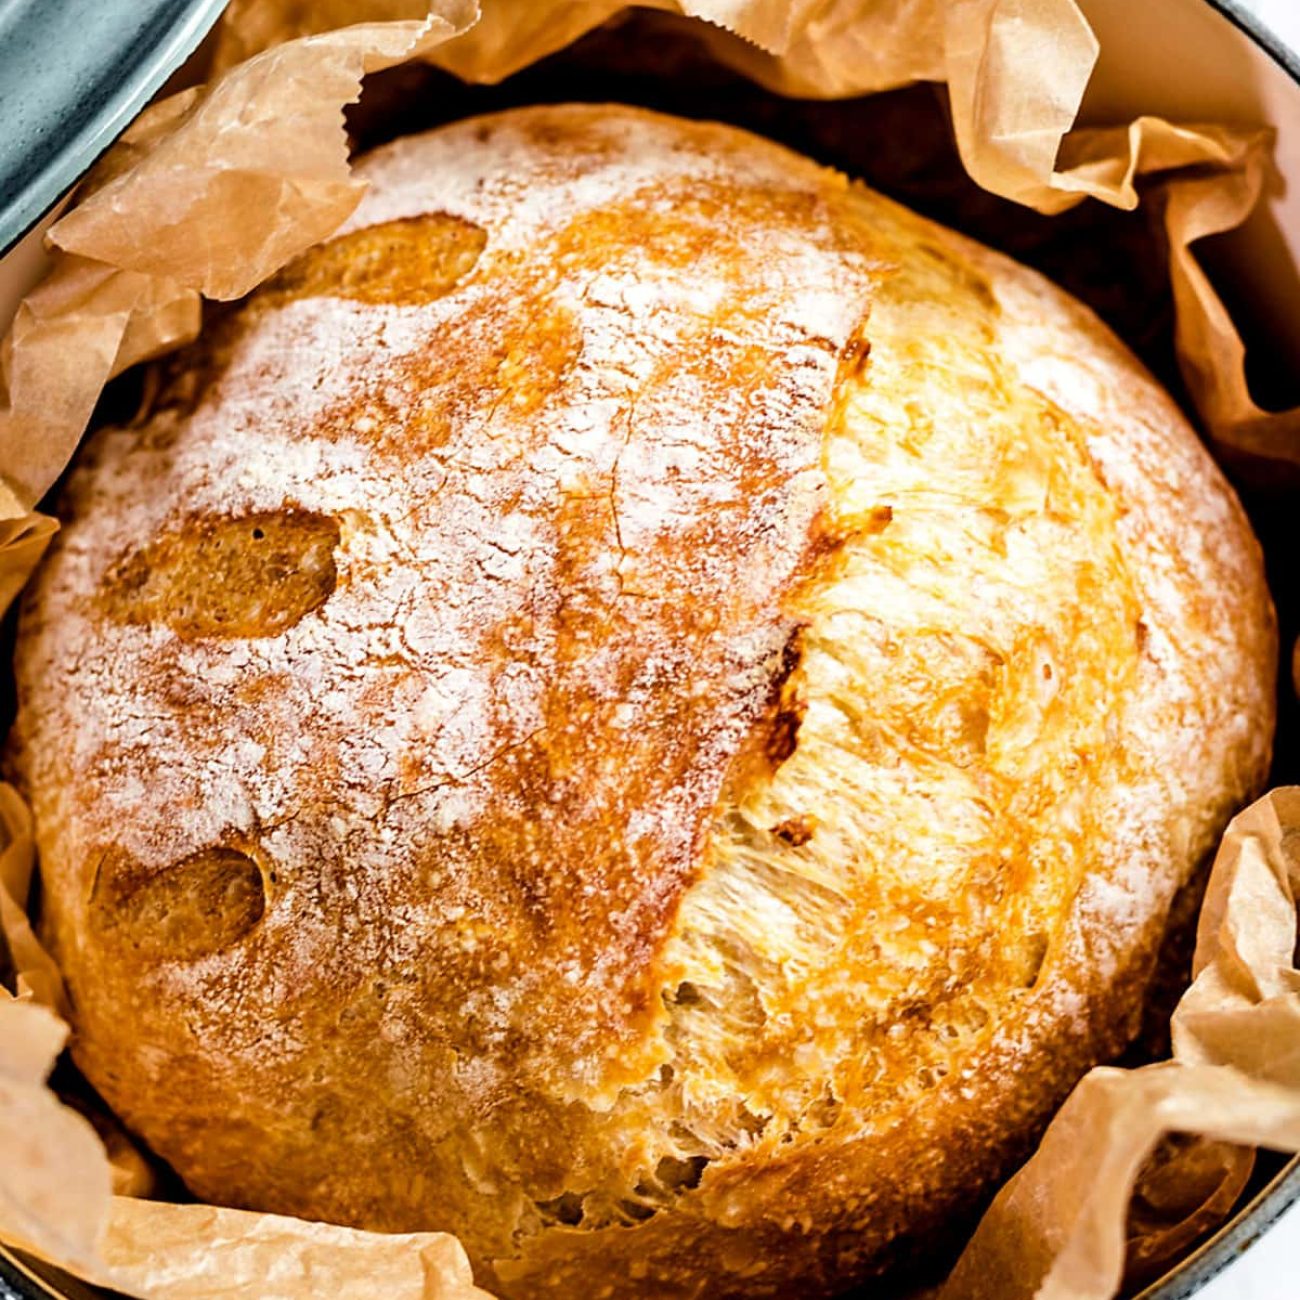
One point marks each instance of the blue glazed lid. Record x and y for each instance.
(73, 73)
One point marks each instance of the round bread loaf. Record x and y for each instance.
(642, 705)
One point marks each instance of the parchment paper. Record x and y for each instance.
(213, 190)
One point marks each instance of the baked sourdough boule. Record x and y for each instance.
(642, 705)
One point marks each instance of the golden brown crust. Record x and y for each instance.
(680, 785)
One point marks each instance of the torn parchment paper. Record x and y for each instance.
(213, 190)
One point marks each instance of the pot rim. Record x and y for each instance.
(76, 144)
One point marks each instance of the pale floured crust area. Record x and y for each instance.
(643, 706)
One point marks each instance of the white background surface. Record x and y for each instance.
(1270, 1269)
(1283, 16)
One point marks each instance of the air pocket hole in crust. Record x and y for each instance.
(203, 904)
(678, 1175)
(565, 1209)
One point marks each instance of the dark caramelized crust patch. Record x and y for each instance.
(795, 831)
